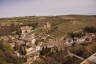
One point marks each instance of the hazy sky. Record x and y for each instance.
(11, 8)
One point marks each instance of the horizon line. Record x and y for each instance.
(47, 15)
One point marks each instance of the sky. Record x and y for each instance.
(12, 8)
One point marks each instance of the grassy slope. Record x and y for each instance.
(64, 24)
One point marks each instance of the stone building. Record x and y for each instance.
(26, 29)
(47, 26)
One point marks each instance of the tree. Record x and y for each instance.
(22, 50)
(90, 29)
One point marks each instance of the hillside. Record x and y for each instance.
(62, 24)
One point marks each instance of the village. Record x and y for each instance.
(28, 45)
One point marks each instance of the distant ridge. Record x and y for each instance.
(50, 16)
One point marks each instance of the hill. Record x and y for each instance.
(62, 24)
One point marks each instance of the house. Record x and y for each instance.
(69, 42)
(26, 29)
